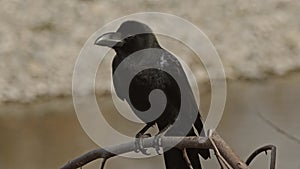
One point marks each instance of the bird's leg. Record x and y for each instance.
(138, 141)
(157, 137)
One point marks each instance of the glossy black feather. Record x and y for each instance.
(149, 79)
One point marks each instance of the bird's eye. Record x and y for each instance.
(129, 37)
(132, 36)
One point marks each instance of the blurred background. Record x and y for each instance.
(258, 42)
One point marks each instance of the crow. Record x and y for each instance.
(130, 40)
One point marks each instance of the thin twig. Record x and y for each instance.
(186, 158)
(264, 149)
(103, 163)
(227, 153)
(220, 159)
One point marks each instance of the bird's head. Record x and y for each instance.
(130, 37)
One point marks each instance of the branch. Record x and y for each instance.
(228, 154)
(189, 142)
(264, 149)
(186, 158)
(220, 159)
(184, 142)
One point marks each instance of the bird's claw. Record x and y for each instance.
(139, 144)
(157, 143)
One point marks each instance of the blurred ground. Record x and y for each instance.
(40, 40)
(46, 134)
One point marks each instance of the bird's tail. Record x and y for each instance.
(174, 157)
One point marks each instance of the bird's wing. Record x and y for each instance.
(117, 80)
(190, 109)
(145, 81)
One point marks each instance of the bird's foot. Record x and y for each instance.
(157, 143)
(139, 143)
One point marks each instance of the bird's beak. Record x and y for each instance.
(110, 39)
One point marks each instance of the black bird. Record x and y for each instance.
(132, 37)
